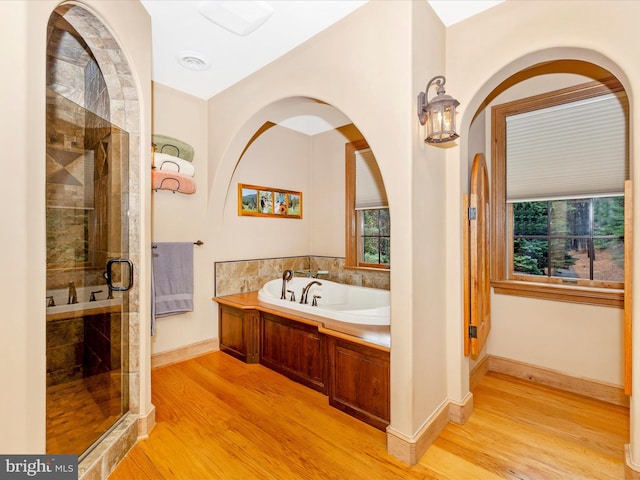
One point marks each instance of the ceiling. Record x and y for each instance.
(215, 40)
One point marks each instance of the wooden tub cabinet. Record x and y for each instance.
(353, 373)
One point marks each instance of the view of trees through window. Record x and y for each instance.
(376, 233)
(576, 238)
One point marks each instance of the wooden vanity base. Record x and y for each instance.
(352, 373)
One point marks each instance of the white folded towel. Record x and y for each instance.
(164, 161)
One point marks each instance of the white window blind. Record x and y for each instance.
(574, 150)
(370, 192)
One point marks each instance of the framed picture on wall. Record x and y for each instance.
(258, 201)
(265, 201)
(247, 200)
(294, 205)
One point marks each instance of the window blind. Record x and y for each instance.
(575, 150)
(370, 192)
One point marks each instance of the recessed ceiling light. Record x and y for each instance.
(193, 61)
(241, 18)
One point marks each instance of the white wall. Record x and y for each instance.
(422, 342)
(22, 369)
(280, 159)
(182, 218)
(328, 192)
(580, 340)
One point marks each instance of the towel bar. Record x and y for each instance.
(197, 242)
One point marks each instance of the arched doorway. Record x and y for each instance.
(541, 337)
(297, 143)
(92, 143)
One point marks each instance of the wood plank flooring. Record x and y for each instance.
(80, 411)
(218, 418)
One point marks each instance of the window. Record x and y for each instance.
(368, 228)
(559, 167)
(579, 239)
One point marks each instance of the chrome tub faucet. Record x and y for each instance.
(305, 291)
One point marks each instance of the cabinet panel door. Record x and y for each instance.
(293, 349)
(238, 333)
(359, 381)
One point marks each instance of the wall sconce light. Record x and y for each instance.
(439, 114)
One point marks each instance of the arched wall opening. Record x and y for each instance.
(298, 144)
(542, 334)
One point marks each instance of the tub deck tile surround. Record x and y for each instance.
(241, 276)
(372, 335)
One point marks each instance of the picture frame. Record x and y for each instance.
(260, 201)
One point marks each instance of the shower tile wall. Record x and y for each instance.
(65, 350)
(241, 276)
(78, 181)
(77, 154)
(81, 347)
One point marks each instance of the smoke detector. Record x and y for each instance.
(193, 61)
(241, 18)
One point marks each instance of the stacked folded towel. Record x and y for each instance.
(172, 167)
(163, 180)
(170, 163)
(173, 146)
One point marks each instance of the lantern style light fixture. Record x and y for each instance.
(439, 114)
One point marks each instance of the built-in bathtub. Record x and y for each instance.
(60, 298)
(336, 301)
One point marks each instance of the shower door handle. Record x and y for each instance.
(108, 274)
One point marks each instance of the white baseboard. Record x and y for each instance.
(184, 353)
(146, 422)
(411, 449)
(631, 470)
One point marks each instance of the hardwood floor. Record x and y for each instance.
(219, 418)
(80, 411)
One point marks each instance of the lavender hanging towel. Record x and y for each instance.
(172, 278)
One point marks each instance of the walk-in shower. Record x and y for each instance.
(88, 271)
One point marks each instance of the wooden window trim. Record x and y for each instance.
(351, 217)
(503, 281)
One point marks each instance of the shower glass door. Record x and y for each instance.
(88, 275)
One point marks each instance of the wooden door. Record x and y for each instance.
(477, 287)
(628, 284)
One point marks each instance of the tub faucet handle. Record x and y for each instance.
(293, 296)
(92, 297)
(50, 301)
(314, 302)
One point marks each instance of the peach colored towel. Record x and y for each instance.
(176, 182)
